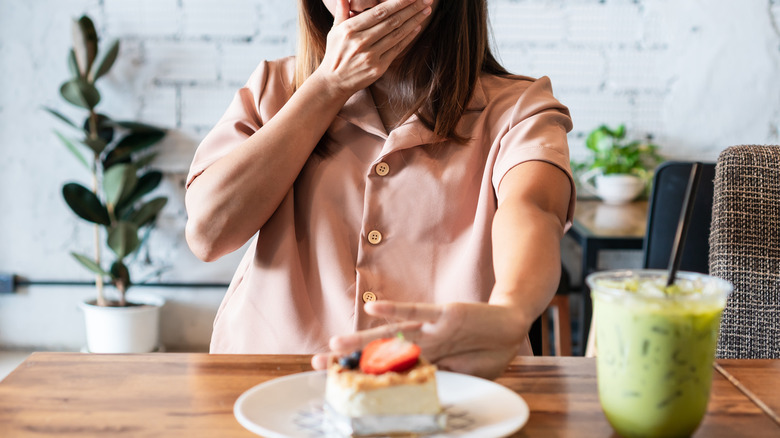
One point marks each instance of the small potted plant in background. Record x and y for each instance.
(620, 169)
(116, 155)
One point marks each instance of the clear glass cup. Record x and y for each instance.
(655, 349)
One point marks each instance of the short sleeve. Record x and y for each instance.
(538, 127)
(264, 93)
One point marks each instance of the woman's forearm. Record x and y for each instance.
(527, 231)
(526, 258)
(229, 202)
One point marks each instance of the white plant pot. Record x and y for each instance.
(134, 329)
(613, 189)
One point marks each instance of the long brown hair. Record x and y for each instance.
(438, 80)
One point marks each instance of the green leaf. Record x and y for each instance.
(138, 127)
(614, 133)
(85, 204)
(106, 63)
(604, 144)
(146, 160)
(595, 138)
(59, 115)
(123, 239)
(116, 157)
(146, 183)
(140, 140)
(612, 156)
(104, 125)
(73, 149)
(148, 212)
(144, 234)
(80, 93)
(118, 182)
(73, 65)
(132, 143)
(96, 144)
(90, 264)
(120, 273)
(85, 43)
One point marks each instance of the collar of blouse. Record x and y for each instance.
(360, 110)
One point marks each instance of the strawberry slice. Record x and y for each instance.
(390, 354)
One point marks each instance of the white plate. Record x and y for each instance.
(291, 406)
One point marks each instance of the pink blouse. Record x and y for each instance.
(381, 216)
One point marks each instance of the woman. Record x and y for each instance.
(393, 162)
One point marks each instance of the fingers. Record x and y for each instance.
(396, 27)
(395, 49)
(488, 366)
(378, 14)
(342, 12)
(355, 341)
(421, 312)
(320, 361)
(411, 317)
(395, 40)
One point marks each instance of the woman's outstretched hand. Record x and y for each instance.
(361, 48)
(472, 338)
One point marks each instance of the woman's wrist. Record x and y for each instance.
(327, 89)
(522, 311)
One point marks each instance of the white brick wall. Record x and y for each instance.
(140, 18)
(608, 24)
(240, 60)
(527, 22)
(698, 75)
(202, 106)
(225, 18)
(183, 61)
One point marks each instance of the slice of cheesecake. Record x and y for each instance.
(391, 390)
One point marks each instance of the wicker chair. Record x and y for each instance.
(745, 249)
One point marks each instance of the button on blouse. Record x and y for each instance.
(375, 237)
(382, 169)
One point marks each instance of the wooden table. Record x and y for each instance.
(758, 379)
(192, 395)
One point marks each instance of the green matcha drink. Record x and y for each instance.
(655, 348)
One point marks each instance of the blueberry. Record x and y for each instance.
(350, 362)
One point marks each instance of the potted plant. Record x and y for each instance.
(620, 169)
(116, 155)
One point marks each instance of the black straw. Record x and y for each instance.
(682, 225)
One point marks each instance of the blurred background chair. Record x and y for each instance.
(663, 212)
(550, 334)
(745, 249)
(558, 317)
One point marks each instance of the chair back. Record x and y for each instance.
(663, 213)
(745, 249)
